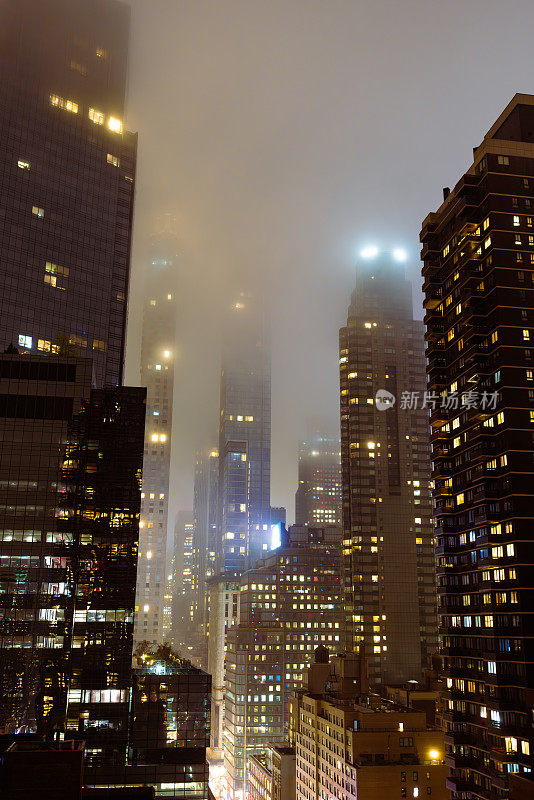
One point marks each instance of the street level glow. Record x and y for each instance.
(370, 252)
(399, 254)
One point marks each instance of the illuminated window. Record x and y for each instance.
(526, 335)
(503, 160)
(450, 335)
(98, 344)
(38, 212)
(111, 159)
(96, 116)
(494, 336)
(23, 164)
(154, 437)
(114, 125)
(50, 279)
(163, 437)
(56, 269)
(66, 105)
(101, 53)
(485, 224)
(516, 221)
(25, 341)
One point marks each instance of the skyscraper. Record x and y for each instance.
(99, 514)
(244, 512)
(244, 438)
(318, 497)
(157, 374)
(205, 532)
(387, 515)
(67, 169)
(478, 252)
(290, 603)
(38, 398)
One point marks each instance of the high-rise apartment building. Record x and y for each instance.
(289, 603)
(244, 438)
(157, 374)
(351, 743)
(318, 497)
(205, 530)
(388, 542)
(223, 612)
(67, 167)
(478, 252)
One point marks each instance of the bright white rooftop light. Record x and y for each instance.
(370, 252)
(399, 254)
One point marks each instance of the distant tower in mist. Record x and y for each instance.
(157, 374)
(244, 438)
(318, 497)
(388, 544)
(205, 496)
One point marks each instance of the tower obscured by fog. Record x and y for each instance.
(157, 374)
(67, 169)
(318, 497)
(385, 456)
(244, 438)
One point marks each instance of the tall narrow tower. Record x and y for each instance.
(157, 374)
(244, 438)
(205, 530)
(318, 497)
(244, 512)
(387, 516)
(478, 251)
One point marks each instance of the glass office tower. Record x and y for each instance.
(67, 169)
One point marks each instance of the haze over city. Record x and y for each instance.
(266, 399)
(283, 137)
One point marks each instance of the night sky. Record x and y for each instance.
(283, 136)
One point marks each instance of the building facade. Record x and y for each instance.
(350, 744)
(37, 399)
(169, 733)
(157, 374)
(271, 775)
(478, 252)
(205, 496)
(67, 169)
(318, 497)
(101, 478)
(388, 542)
(289, 604)
(244, 438)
